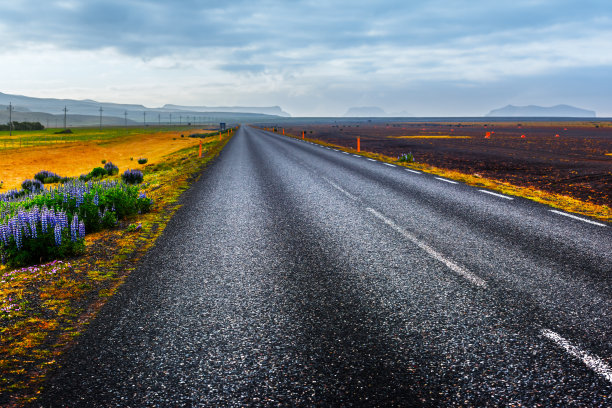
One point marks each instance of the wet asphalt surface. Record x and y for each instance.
(295, 275)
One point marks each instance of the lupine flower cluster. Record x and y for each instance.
(52, 223)
(406, 157)
(33, 186)
(111, 168)
(47, 176)
(39, 221)
(132, 176)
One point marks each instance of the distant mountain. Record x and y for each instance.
(365, 111)
(265, 110)
(86, 112)
(564, 111)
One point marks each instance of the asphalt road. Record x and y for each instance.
(296, 275)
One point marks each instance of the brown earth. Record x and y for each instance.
(577, 162)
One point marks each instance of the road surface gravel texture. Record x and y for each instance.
(296, 275)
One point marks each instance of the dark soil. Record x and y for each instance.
(573, 163)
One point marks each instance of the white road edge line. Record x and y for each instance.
(389, 164)
(370, 159)
(432, 252)
(345, 153)
(593, 362)
(496, 195)
(356, 155)
(578, 218)
(448, 181)
(337, 187)
(414, 171)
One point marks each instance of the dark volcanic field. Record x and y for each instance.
(574, 163)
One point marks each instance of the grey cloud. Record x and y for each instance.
(140, 27)
(249, 68)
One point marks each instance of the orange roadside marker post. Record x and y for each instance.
(487, 135)
(358, 145)
(283, 131)
(200, 155)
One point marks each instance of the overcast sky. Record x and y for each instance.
(313, 58)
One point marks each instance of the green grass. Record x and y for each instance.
(24, 138)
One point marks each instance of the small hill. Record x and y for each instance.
(365, 111)
(263, 110)
(564, 111)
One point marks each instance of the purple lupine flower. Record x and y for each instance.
(63, 219)
(4, 234)
(17, 234)
(58, 235)
(96, 198)
(81, 229)
(22, 223)
(43, 219)
(32, 219)
(74, 228)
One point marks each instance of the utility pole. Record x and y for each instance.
(170, 119)
(101, 117)
(144, 118)
(10, 109)
(65, 112)
(180, 120)
(125, 117)
(159, 119)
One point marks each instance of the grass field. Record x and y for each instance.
(74, 154)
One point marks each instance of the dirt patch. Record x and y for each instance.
(562, 158)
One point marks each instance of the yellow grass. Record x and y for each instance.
(430, 137)
(75, 158)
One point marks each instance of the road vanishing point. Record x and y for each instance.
(298, 275)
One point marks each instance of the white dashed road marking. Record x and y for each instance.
(496, 195)
(593, 362)
(448, 181)
(578, 218)
(432, 252)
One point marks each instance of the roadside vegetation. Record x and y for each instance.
(81, 236)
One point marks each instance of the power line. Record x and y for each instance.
(65, 112)
(10, 109)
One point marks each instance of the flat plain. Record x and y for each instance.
(73, 154)
(568, 158)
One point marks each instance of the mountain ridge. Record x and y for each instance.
(542, 111)
(55, 106)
